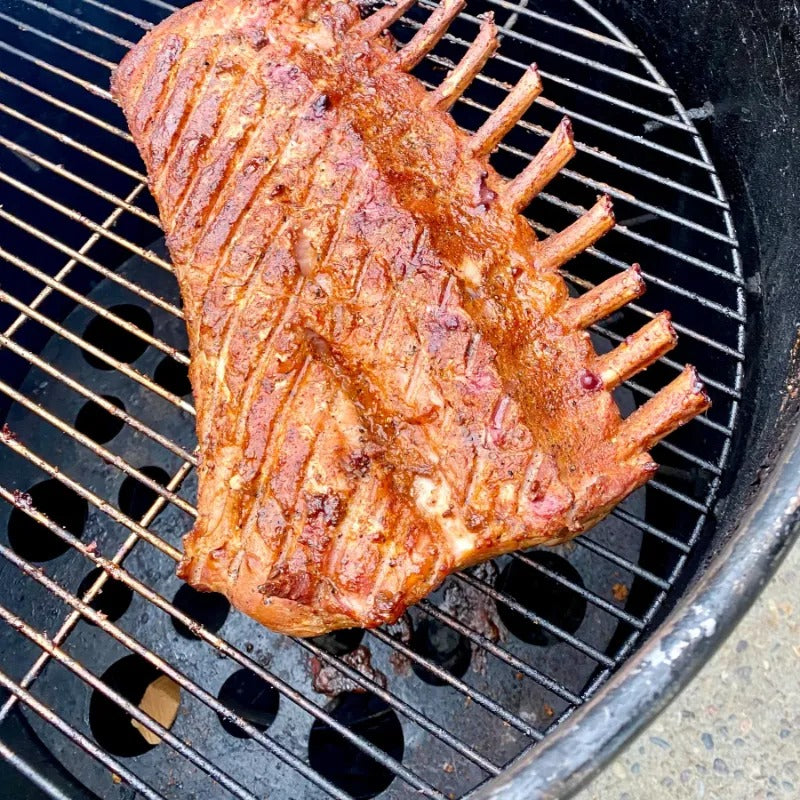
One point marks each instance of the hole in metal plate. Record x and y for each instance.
(349, 768)
(134, 497)
(112, 600)
(252, 698)
(208, 608)
(112, 727)
(61, 505)
(116, 341)
(541, 595)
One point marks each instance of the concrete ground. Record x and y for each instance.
(734, 732)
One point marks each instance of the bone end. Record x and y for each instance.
(555, 154)
(559, 248)
(425, 39)
(637, 352)
(603, 300)
(375, 24)
(473, 61)
(508, 113)
(675, 405)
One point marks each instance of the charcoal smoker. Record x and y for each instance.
(517, 679)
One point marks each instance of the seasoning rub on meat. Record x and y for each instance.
(390, 377)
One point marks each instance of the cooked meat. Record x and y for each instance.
(391, 380)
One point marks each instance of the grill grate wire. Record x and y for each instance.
(698, 212)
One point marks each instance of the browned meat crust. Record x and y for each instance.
(390, 378)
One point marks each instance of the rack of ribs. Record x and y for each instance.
(391, 379)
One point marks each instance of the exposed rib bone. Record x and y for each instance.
(603, 300)
(428, 35)
(558, 150)
(508, 113)
(637, 352)
(673, 406)
(378, 22)
(479, 52)
(559, 248)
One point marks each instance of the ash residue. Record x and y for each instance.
(328, 679)
(402, 630)
(22, 499)
(476, 610)
(401, 664)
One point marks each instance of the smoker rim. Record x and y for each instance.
(675, 652)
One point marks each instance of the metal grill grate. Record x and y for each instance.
(97, 470)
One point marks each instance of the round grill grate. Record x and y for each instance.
(99, 440)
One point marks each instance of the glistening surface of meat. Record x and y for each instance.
(390, 377)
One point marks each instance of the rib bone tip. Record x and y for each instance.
(604, 299)
(531, 74)
(508, 113)
(670, 408)
(638, 351)
(560, 247)
(379, 21)
(665, 322)
(472, 62)
(429, 34)
(637, 282)
(547, 163)
(697, 387)
(607, 205)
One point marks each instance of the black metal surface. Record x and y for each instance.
(483, 669)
